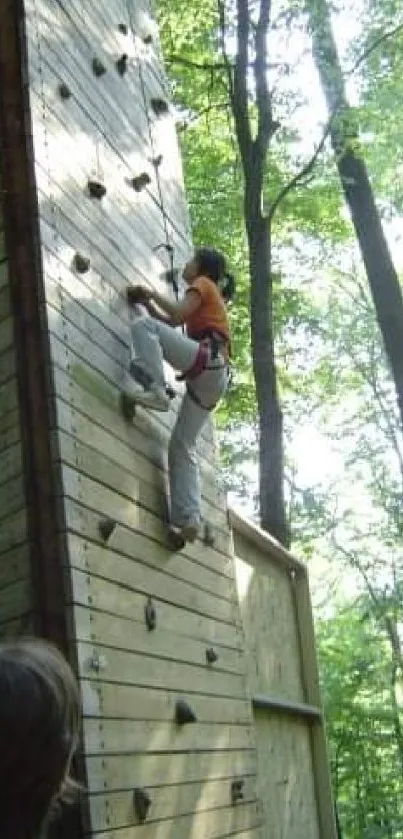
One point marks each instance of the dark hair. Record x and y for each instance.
(39, 722)
(212, 264)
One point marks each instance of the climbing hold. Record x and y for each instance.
(127, 407)
(141, 802)
(140, 181)
(148, 39)
(171, 277)
(121, 64)
(156, 161)
(184, 713)
(211, 655)
(96, 188)
(150, 615)
(64, 91)
(106, 527)
(159, 106)
(237, 790)
(97, 662)
(81, 263)
(123, 28)
(98, 68)
(208, 535)
(170, 391)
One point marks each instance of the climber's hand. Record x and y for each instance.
(138, 294)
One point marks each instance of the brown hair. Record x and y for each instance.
(39, 723)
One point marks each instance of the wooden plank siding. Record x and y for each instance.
(15, 578)
(131, 678)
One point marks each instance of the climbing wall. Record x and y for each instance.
(15, 583)
(150, 630)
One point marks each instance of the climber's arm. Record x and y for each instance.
(175, 313)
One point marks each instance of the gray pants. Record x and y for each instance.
(153, 341)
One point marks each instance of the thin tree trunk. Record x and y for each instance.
(381, 273)
(271, 483)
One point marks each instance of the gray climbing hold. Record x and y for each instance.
(96, 188)
(141, 802)
(98, 68)
(237, 790)
(150, 614)
(81, 263)
(184, 714)
(121, 64)
(64, 91)
(157, 160)
(211, 655)
(208, 535)
(140, 181)
(148, 38)
(106, 527)
(123, 28)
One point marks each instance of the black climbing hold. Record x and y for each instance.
(140, 181)
(184, 713)
(81, 263)
(141, 802)
(150, 615)
(98, 68)
(121, 64)
(159, 106)
(171, 277)
(127, 407)
(148, 39)
(208, 535)
(170, 391)
(64, 91)
(237, 790)
(211, 655)
(96, 188)
(123, 28)
(157, 160)
(106, 527)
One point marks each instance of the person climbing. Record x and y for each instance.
(201, 356)
(40, 718)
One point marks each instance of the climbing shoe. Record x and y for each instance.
(152, 397)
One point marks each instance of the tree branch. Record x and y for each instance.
(195, 65)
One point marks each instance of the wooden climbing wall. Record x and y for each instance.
(293, 771)
(15, 580)
(91, 122)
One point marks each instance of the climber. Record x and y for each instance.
(201, 355)
(40, 717)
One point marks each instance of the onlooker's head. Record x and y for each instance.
(39, 723)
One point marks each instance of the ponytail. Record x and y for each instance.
(227, 286)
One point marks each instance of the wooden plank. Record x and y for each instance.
(6, 329)
(15, 599)
(211, 824)
(8, 396)
(14, 565)
(122, 771)
(107, 701)
(9, 427)
(11, 464)
(4, 268)
(22, 625)
(13, 530)
(115, 597)
(166, 641)
(262, 702)
(108, 504)
(5, 304)
(12, 496)
(125, 569)
(310, 678)
(129, 668)
(167, 802)
(7, 364)
(129, 737)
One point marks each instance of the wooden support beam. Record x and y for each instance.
(285, 706)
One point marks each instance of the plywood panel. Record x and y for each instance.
(14, 565)
(167, 803)
(15, 600)
(104, 700)
(13, 530)
(285, 778)
(128, 736)
(269, 620)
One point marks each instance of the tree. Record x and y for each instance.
(355, 182)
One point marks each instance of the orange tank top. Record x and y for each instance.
(212, 314)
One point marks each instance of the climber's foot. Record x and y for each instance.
(179, 536)
(153, 396)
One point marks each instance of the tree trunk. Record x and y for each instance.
(271, 483)
(381, 273)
